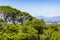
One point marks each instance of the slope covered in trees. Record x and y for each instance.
(31, 29)
(12, 14)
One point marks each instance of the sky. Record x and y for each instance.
(47, 8)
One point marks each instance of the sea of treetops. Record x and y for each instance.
(31, 29)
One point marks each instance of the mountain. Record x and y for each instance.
(55, 19)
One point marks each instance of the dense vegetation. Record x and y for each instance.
(31, 29)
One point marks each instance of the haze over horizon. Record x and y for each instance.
(47, 8)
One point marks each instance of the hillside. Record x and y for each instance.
(31, 28)
(13, 15)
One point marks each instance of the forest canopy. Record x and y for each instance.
(30, 28)
(12, 14)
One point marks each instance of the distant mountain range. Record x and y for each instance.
(55, 19)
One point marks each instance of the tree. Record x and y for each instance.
(13, 14)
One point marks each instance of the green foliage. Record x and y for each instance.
(17, 32)
(32, 29)
(14, 14)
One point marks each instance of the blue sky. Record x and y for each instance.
(47, 8)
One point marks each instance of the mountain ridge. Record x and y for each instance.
(50, 19)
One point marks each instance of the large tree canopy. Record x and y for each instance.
(14, 14)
